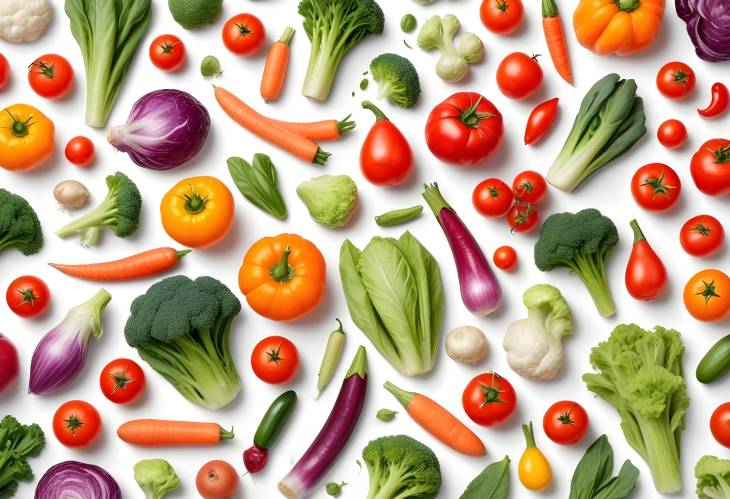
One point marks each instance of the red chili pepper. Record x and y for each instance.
(541, 120)
(719, 103)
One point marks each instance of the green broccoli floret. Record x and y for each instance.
(156, 478)
(713, 478)
(581, 242)
(19, 225)
(17, 443)
(335, 27)
(400, 467)
(119, 211)
(182, 329)
(397, 79)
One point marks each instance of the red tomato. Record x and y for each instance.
(80, 151)
(4, 71)
(385, 157)
(243, 34)
(505, 258)
(646, 276)
(464, 130)
(675, 80)
(28, 296)
(502, 16)
(519, 76)
(492, 198)
(523, 217)
(655, 187)
(217, 480)
(672, 134)
(565, 422)
(167, 52)
(529, 187)
(702, 235)
(77, 424)
(489, 399)
(122, 381)
(541, 120)
(709, 167)
(720, 424)
(51, 76)
(275, 360)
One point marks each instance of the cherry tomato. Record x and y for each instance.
(505, 258)
(529, 187)
(167, 52)
(76, 424)
(492, 198)
(709, 167)
(707, 295)
(28, 296)
(502, 16)
(217, 480)
(655, 187)
(701, 235)
(4, 71)
(540, 121)
(275, 360)
(385, 156)
(51, 76)
(717, 106)
(243, 34)
(675, 80)
(672, 134)
(80, 151)
(720, 424)
(519, 76)
(522, 217)
(565, 422)
(489, 399)
(122, 381)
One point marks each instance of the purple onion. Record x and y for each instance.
(77, 480)
(61, 354)
(480, 290)
(708, 25)
(165, 129)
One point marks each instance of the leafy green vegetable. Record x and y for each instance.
(408, 23)
(713, 478)
(581, 242)
(210, 66)
(394, 295)
(592, 478)
(19, 224)
(491, 483)
(640, 374)
(400, 216)
(108, 33)
(17, 443)
(438, 33)
(192, 14)
(156, 478)
(610, 121)
(397, 79)
(258, 183)
(330, 199)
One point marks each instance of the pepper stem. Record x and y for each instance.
(529, 435)
(638, 234)
(628, 5)
(226, 434)
(282, 272)
(379, 115)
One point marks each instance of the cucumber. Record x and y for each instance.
(275, 419)
(716, 362)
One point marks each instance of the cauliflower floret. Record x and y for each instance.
(23, 20)
(534, 345)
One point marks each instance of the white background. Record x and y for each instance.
(607, 190)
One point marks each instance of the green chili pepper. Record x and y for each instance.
(408, 23)
(332, 356)
(386, 415)
(397, 217)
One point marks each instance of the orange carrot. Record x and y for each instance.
(143, 264)
(552, 26)
(277, 62)
(160, 432)
(262, 127)
(438, 421)
(318, 130)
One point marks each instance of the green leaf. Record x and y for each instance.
(621, 486)
(593, 471)
(491, 483)
(258, 183)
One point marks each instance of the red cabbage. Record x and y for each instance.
(165, 129)
(708, 25)
(76, 480)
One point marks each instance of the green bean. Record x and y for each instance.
(397, 217)
(332, 356)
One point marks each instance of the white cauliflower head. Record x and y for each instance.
(534, 345)
(23, 20)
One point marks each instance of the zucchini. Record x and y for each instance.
(275, 419)
(716, 362)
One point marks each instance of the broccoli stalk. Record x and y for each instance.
(119, 211)
(334, 27)
(19, 225)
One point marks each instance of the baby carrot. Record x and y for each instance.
(160, 432)
(277, 62)
(143, 264)
(552, 26)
